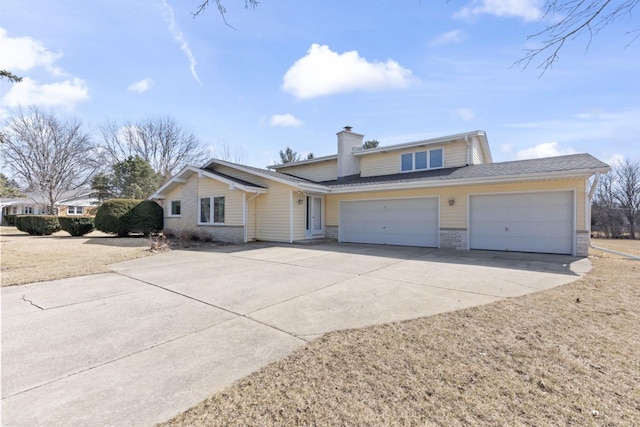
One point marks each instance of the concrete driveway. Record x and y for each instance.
(161, 333)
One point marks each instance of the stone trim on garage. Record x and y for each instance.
(582, 243)
(453, 238)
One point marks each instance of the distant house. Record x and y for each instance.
(80, 202)
(444, 192)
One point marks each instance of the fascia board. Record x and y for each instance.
(457, 182)
(440, 140)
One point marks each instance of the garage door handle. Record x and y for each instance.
(506, 229)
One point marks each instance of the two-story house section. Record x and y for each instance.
(444, 192)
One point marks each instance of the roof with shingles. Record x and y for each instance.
(569, 163)
(268, 172)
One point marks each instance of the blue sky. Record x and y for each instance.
(294, 73)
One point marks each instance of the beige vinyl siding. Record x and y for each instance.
(233, 203)
(456, 216)
(321, 171)
(455, 154)
(299, 217)
(476, 153)
(251, 217)
(376, 164)
(273, 213)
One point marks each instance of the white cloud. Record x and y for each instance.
(25, 53)
(178, 36)
(615, 159)
(465, 113)
(324, 72)
(454, 36)
(529, 10)
(64, 94)
(141, 86)
(285, 120)
(546, 149)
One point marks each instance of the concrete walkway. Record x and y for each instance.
(160, 334)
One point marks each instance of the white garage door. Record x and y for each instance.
(528, 222)
(412, 222)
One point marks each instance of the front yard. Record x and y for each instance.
(568, 356)
(27, 259)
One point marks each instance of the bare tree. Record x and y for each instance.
(159, 141)
(5, 74)
(228, 153)
(606, 215)
(221, 9)
(577, 18)
(50, 155)
(626, 191)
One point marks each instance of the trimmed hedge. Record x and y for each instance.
(38, 225)
(76, 226)
(10, 219)
(124, 216)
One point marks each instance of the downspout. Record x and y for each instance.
(246, 215)
(466, 139)
(592, 190)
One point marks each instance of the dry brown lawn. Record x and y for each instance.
(567, 356)
(27, 259)
(631, 247)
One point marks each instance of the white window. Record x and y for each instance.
(174, 208)
(211, 210)
(28, 210)
(75, 210)
(422, 160)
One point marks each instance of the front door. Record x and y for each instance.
(314, 216)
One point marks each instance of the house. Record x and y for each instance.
(444, 192)
(79, 202)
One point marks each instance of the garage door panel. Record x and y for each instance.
(527, 222)
(411, 222)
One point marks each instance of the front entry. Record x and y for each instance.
(314, 217)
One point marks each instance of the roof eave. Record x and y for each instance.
(433, 141)
(304, 162)
(581, 173)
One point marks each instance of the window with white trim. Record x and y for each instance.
(422, 160)
(28, 210)
(211, 210)
(75, 210)
(174, 208)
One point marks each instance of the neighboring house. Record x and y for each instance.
(443, 192)
(81, 202)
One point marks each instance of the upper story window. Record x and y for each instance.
(174, 208)
(421, 160)
(211, 210)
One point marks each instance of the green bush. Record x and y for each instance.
(124, 216)
(76, 226)
(10, 219)
(38, 225)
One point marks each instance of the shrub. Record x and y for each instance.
(124, 216)
(38, 225)
(10, 219)
(76, 226)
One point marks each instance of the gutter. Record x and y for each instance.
(455, 182)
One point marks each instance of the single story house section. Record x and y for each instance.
(80, 202)
(443, 192)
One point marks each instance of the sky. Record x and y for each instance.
(292, 74)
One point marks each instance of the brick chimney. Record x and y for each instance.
(348, 164)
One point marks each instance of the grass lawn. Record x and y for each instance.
(27, 259)
(567, 356)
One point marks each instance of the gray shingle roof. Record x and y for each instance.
(569, 163)
(274, 174)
